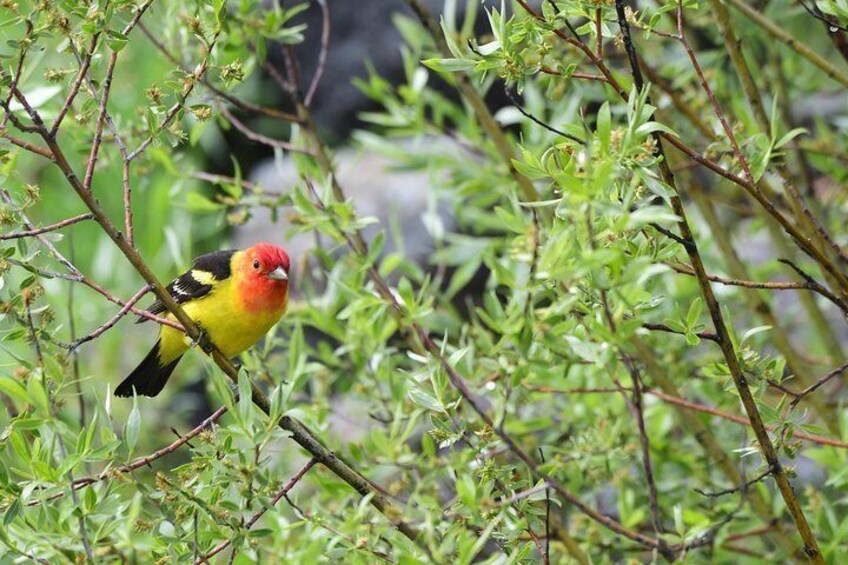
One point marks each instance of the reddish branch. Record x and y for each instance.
(322, 53)
(682, 402)
(45, 229)
(112, 321)
(141, 461)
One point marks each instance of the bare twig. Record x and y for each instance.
(816, 385)
(258, 137)
(322, 53)
(517, 104)
(742, 487)
(689, 405)
(45, 229)
(112, 321)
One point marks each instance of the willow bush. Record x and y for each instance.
(627, 343)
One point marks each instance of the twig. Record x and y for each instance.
(547, 516)
(258, 514)
(112, 321)
(258, 137)
(141, 461)
(742, 487)
(709, 336)
(811, 548)
(517, 104)
(783, 36)
(819, 383)
(86, 63)
(234, 100)
(688, 404)
(45, 229)
(322, 54)
(816, 286)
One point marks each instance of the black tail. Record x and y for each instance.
(149, 378)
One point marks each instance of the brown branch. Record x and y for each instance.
(7, 115)
(782, 36)
(709, 336)
(141, 461)
(690, 405)
(86, 63)
(111, 322)
(45, 229)
(687, 270)
(811, 548)
(191, 80)
(101, 119)
(586, 76)
(258, 137)
(816, 385)
(743, 487)
(25, 144)
(258, 514)
(322, 53)
(813, 438)
(234, 100)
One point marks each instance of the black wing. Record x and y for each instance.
(187, 287)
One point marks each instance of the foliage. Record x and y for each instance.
(584, 403)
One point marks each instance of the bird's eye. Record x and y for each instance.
(256, 263)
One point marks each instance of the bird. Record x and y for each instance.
(235, 296)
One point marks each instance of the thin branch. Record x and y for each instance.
(744, 486)
(517, 104)
(45, 229)
(112, 321)
(322, 54)
(258, 137)
(86, 63)
(816, 385)
(811, 548)
(258, 514)
(234, 100)
(109, 474)
(25, 144)
(796, 45)
(688, 404)
(7, 115)
(816, 286)
(709, 336)
(191, 80)
(101, 119)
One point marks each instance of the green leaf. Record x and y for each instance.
(245, 396)
(604, 127)
(132, 427)
(12, 512)
(450, 65)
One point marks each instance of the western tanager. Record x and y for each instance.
(235, 297)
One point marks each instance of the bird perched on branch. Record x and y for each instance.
(234, 296)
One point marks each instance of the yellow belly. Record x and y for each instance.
(231, 328)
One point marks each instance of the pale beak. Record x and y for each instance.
(278, 274)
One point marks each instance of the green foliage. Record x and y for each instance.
(589, 322)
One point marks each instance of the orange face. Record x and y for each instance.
(265, 272)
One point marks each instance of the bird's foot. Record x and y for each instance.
(204, 342)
